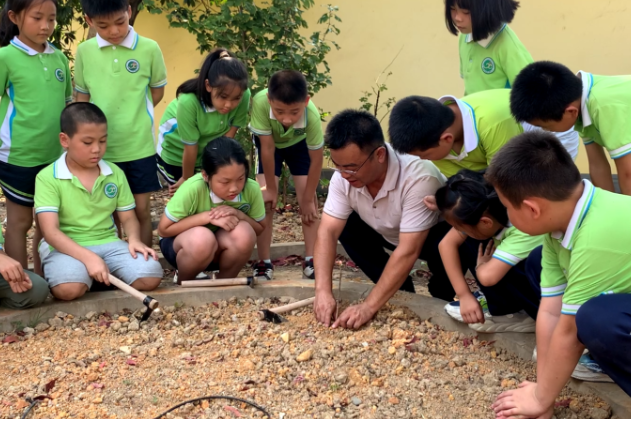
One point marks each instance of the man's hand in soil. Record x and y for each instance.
(324, 307)
(521, 403)
(354, 317)
(471, 310)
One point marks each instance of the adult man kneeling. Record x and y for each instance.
(375, 202)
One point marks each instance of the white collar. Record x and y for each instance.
(300, 124)
(582, 206)
(28, 50)
(500, 235)
(488, 40)
(470, 132)
(588, 82)
(208, 109)
(62, 172)
(130, 41)
(218, 200)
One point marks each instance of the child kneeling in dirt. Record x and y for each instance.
(75, 198)
(213, 219)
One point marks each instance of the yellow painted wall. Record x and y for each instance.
(588, 35)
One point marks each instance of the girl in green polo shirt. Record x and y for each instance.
(36, 86)
(212, 105)
(477, 216)
(213, 219)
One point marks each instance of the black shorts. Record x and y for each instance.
(141, 175)
(18, 183)
(166, 246)
(296, 157)
(171, 173)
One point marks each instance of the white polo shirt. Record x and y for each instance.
(398, 206)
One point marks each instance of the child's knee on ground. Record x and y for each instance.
(69, 291)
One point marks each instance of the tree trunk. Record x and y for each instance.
(135, 5)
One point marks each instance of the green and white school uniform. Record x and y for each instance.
(487, 124)
(513, 246)
(593, 255)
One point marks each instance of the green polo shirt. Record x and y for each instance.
(194, 196)
(119, 79)
(593, 255)
(512, 246)
(263, 123)
(491, 63)
(85, 217)
(605, 111)
(1, 240)
(188, 121)
(37, 87)
(488, 125)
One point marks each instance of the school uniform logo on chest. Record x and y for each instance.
(299, 132)
(60, 75)
(245, 208)
(132, 66)
(111, 190)
(488, 65)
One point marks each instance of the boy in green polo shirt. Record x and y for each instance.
(75, 198)
(286, 128)
(550, 96)
(214, 217)
(124, 74)
(586, 253)
(454, 133)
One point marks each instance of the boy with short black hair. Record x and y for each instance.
(75, 198)
(542, 190)
(551, 96)
(124, 74)
(286, 128)
(454, 133)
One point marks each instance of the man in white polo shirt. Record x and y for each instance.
(375, 202)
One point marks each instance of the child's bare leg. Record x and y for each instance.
(195, 250)
(146, 284)
(236, 248)
(264, 241)
(308, 231)
(37, 262)
(143, 213)
(19, 221)
(69, 291)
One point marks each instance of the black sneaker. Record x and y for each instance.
(308, 272)
(263, 270)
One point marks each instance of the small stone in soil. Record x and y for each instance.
(356, 401)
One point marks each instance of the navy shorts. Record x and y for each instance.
(296, 157)
(18, 183)
(166, 246)
(171, 173)
(141, 175)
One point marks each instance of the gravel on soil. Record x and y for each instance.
(398, 366)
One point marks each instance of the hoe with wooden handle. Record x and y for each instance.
(148, 301)
(249, 281)
(272, 315)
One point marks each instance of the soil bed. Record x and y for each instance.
(107, 366)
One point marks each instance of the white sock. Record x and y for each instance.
(268, 261)
(308, 258)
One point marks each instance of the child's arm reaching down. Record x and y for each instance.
(132, 229)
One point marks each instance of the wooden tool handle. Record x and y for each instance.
(153, 304)
(214, 283)
(293, 306)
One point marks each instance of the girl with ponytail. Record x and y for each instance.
(483, 241)
(212, 105)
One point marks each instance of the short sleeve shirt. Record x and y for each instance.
(188, 121)
(488, 125)
(492, 63)
(194, 196)
(593, 255)
(85, 217)
(605, 111)
(119, 79)
(36, 88)
(512, 246)
(398, 207)
(264, 123)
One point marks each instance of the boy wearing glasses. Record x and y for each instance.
(286, 128)
(375, 202)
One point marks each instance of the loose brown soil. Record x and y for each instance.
(396, 367)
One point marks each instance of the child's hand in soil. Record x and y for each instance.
(471, 310)
(139, 247)
(227, 223)
(521, 403)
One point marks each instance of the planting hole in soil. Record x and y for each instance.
(398, 366)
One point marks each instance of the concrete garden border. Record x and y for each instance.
(520, 344)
